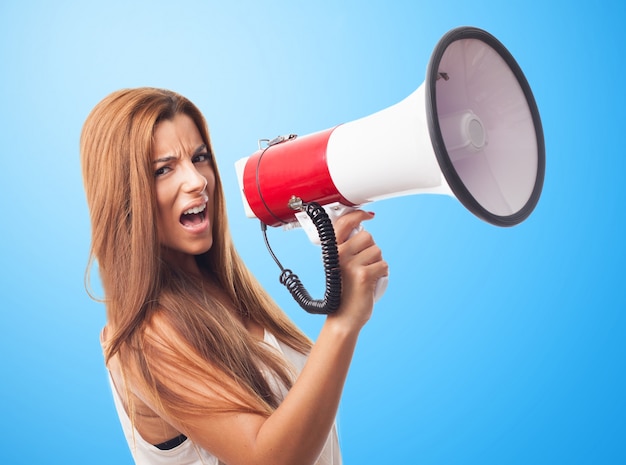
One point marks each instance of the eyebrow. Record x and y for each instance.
(168, 158)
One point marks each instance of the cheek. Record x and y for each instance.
(211, 184)
(212, 205)
(211, 190)
(164, 204)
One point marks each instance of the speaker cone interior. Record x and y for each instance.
(484, 126)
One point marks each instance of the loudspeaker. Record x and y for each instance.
(471, 130)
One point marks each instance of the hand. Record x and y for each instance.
(362, 265)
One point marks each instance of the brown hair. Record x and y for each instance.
(142, 293)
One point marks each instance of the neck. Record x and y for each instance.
(183, 261)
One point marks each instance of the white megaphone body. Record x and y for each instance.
(472, 131)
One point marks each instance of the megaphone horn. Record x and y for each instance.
(472, 130)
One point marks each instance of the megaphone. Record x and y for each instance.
(471, 130)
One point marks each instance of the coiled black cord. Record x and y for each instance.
(330, 259)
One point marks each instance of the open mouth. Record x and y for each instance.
(194, 216)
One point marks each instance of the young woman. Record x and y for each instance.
(204, 367)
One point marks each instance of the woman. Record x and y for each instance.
(204, 367)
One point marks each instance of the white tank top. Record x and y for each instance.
(189, 453)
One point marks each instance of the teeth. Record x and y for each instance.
(195, 210)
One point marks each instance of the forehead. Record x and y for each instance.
(176, 136)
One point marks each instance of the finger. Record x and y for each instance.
(348, 223)
(367, 273)
(357, 242)
(368, 255)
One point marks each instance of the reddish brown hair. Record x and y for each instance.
(143, 294)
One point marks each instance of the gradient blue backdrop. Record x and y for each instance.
(491, 346)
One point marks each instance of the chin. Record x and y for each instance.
(203, 249)
(176, 254)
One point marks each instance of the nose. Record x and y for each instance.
(193, 180)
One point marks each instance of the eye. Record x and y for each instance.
(201, 157)
(161, 171)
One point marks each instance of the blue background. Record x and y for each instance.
(491, 345)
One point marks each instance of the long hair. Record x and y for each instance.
(141, 289)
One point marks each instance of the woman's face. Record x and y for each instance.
(185, 184)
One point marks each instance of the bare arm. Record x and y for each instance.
(296, 431)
